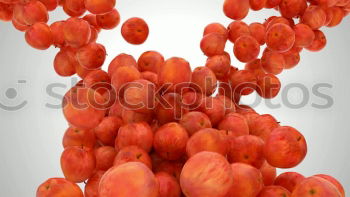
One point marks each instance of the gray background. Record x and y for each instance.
(30, 139)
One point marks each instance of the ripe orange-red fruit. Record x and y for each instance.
(195, 121)
(255, 67)
(108, 20)
(130, 116)
(215, 28)
(135, 31)
(175, 74)
(138, 96)
(319, 42)
(203, 80)
(242, 109)
(150, 76)
(120, 61)
(92, 20)
(291, 59)
(91, 187)
(77, 163)
(285, 147)
(57, 33)
(81, 71)
(31, 12)
(82, 107)
(257, 4)
(150, 61)
(277, 20)
(74, 8)
(258, 31)
(99, 6)
(329, 15)
(304, 35)
(263, 125)
(338, 15)
(64, 63)
(220, 65)
(107, 92)
(116, 109)
(342, 3)
(289, 180)
(246, 48)
(91, 56)
(314, 16)
(248, 115)
(104, 157)
(58, 187)
(19, 26)
(347, 9)
(18, 14)
(247, 181)
(237, 29)
(10, 1)
(137, 134)
(79, 137)
(107, 130)
(243, 82)
(229, 105)
(72, 13)
(292, 8)
(191, 100)
(213, 44)
(39, 36)
(272, 3)
(280, 37)
(50, 5)
(269, 173)
(169, 108)
(173, 168)
(247, 149)
(236, 9)
(72, 61)
(273, 62)
(124, 75)
(120, 181)
(234, 123)
(316, 187)
(170, 141)
(206, 174)
(214, 108)
(207, 140)
(70, 29)
(324, 3)
(168, 185)
(268, 86)
(334, 181)
(100, 81)
(6, 11)
(274, 191)
(94, 34)
(226, 90)
(132, 154)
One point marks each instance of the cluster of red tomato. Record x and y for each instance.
(152, 127)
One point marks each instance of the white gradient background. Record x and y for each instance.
(30, 139)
